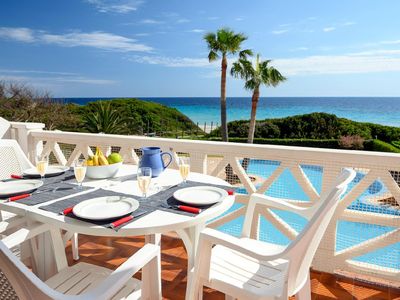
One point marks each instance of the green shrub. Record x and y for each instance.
(312, 126)
(325, 143)
(396, 144)
(377, 145)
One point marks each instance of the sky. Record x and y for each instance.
(149, 48)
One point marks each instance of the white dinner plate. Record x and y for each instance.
(103, 208)
(17, 187)
(200, 195)
(51, 171)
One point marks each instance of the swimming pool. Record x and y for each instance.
(348, 233)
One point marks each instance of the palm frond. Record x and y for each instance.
(212, 56)
(244, 54)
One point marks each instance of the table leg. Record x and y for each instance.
(151, 273)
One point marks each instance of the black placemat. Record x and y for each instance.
(166, 197)
(152, 203)
(61, 205)
(53, 188)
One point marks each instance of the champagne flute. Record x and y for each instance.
(42, 162)
(80, 171)
(144, 179)
(184, 168)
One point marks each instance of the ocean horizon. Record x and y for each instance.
(380, 110)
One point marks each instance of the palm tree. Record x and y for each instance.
(223, 43)
(104, 119)
(255, 76)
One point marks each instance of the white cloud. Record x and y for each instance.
(183, 20)
(239, 19)
(197, 30)
(20, 34)
(176, 62)
(281, 31)
(151, 21)
(338, 64)
(393, 42)
(329, 29)
(300, 49)
(142, 34)
(29, 76)
(35, 72)
(349, 23)
(115, 6)
(95, 39)
(213, 18)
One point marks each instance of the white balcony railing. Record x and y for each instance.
(364, 236)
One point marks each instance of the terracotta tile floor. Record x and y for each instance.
(111, 252)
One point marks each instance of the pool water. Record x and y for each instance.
(348, 233)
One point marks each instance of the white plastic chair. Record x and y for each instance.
(244, 268)
(14, 161)
(79, 282)
(4, 128)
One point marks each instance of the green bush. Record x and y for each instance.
(377, 145)
(312, 126)
(396, 144)
(325, 143)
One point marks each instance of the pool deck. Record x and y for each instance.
(111, 252)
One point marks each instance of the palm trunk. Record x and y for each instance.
(230, 176)
(252, 126)
(224, 125)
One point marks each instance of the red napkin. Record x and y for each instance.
(231, 192)
(13, 176)
(15, 198)
(121, 221)
(194, 210)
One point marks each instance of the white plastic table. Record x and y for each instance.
(151, 225)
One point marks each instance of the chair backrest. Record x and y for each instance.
(12, 159)
(4, 128)
(23, 282)
(302, 250)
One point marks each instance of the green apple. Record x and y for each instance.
(114, 158)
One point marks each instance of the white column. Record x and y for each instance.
(20, 132)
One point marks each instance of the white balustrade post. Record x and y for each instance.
(20, 132)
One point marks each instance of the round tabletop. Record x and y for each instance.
(156, 222)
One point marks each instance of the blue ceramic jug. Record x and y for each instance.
(152, 158)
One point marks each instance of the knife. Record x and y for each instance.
(191, 209)
(124, 220)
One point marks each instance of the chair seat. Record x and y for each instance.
(237, 274)
(82, 277)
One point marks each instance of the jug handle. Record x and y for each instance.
(170, 159)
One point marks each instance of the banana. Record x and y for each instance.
(95, 160)
(102, 160)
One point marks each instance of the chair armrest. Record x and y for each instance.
(11, 223)
(113, 283)
(24, 234)
(215, 237)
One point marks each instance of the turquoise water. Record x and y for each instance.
(348, 233)
(379, 110)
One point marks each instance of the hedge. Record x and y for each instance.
(369, 145)
(378, 145)
(325, 143)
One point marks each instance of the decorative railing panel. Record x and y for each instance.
(363, 237)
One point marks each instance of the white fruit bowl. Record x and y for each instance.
(102, 172)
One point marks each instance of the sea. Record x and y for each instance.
(380, 110)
